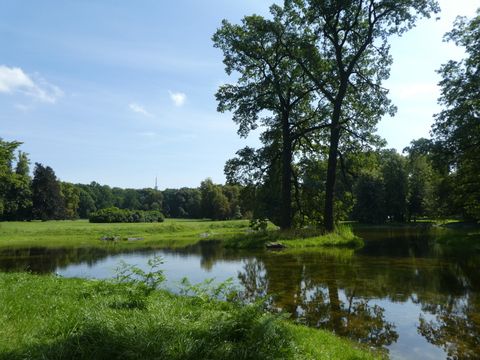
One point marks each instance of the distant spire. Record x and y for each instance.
(156, 185)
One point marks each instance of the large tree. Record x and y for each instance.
(271, 91)
(342, 46)
(457, 127)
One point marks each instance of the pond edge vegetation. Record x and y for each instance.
(131, 318)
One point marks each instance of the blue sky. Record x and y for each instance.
(119, 92)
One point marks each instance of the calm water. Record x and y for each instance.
(402, 292)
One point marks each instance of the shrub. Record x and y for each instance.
(116, 215)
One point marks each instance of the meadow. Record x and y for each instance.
(169, 234)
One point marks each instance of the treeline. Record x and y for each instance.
(45, 197)
(374, 186)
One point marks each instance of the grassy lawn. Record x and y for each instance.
(81, 233)
(45, 317)
(171, 233)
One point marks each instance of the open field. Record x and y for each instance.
(81, 233)
(169, 234)
(54, 318)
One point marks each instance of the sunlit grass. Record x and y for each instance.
(80, 233)
(169, 234)
(54, 318)
(343, 236)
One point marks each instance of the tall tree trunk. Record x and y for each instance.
(286, 213)
(329, 215)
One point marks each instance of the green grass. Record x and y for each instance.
(54, 318)
(81, 233)
(169, 234)
(297, 239)
(343, 236)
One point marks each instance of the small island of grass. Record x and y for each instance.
(343, 236)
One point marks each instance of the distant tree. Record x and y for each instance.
(457, 127)
(131, 200)
(15, 192)
(86, 204)
(214, 203)
(370, 199)
(102, 195)
(71, 198)
(150, 199)
(395, 180)
(20, 192)
(220, 205)
(7, 155)
(193, 200)
(48, 203)
(207, 190)
(23, 164)
(237, 212)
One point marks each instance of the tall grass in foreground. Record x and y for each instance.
(54, 318)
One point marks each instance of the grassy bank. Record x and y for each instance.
(169, 234)
(81, 233)
(297, 239)
(55, 318)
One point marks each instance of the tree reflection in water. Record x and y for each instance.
(314, 299)
(455, 328)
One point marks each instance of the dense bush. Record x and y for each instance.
(116, 215)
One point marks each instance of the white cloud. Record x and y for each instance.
(178, 98)
(14, 79)
(139, 109)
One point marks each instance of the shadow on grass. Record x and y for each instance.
(244, 335)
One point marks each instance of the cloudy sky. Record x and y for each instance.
(121, 92)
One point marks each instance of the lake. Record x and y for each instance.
(403, 292)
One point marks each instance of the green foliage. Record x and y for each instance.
(15, 191)
(116, 215)
(209, 291)
(47, 200)
(71, 198)
(259, 224)
(139, 284)
(53, 318)
(395, 183)
(219, 202)
(86, 204)
(457, 129)
(370, 199)
(296, 238)
(421, 187)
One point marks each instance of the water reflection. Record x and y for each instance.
(43, 260)
(406, 291)
(310, 291)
